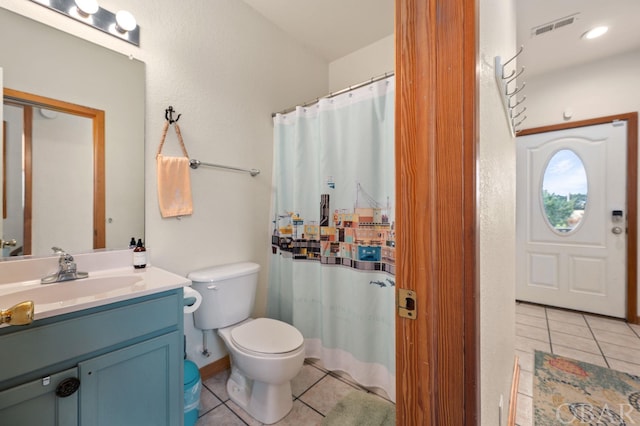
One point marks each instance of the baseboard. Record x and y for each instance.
(215, 367)
(513, 399)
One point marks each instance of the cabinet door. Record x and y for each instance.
(138, 385)
(36, 403)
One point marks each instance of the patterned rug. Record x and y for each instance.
(570, 392)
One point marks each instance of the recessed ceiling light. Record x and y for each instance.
(595, 32)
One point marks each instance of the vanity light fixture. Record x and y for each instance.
(595, 32)
(121, 25)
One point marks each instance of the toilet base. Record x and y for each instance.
(265, 402)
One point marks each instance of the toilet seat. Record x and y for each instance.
(267, 336)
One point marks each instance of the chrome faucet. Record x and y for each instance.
(67, 269)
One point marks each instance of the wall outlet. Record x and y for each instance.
(500, 406)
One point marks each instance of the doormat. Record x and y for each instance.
(361, 409)
(570, 392)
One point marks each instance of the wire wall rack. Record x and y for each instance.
(510, 92)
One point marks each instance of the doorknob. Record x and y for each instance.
(9, 243)
(616, 230)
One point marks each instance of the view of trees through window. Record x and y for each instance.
(564, 212)
(564, 190)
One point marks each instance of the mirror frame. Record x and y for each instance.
(28, 101)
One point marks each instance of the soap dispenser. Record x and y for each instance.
(139, 255)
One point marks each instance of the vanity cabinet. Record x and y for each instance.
(127, 357)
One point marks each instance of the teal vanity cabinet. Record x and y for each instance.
(118, 364)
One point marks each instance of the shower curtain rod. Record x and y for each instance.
(339, 92)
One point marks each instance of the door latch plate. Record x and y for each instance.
(407, 303)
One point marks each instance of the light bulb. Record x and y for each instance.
(87, 7)
(125, 21)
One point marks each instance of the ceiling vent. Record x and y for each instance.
(551, 26)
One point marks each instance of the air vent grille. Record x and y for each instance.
(551, 26)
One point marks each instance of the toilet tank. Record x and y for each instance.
(228, 294)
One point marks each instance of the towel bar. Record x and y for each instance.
(194, 164)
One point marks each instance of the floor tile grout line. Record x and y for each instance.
(531, 325)
(314, 384)
(236, 414)
(633, 330)
(625, 361)
(531, 338)
(314, 409)
(215, 394)
(577, 337)
(353, 384)
(597, 342)
(546, 317)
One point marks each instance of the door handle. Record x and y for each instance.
(8, 243)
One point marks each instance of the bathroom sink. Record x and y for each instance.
(112, 279)
(69, 292)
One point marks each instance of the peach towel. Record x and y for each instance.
(174, 181)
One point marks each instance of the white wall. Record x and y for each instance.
(590, 90)
(496, 211)
(225, 68)
(59, 145)
(370, 61)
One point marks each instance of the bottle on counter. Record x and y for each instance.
(132, 243)
(139, 255)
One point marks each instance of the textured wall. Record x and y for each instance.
(363, 64)
(496, 210)
(225, 68)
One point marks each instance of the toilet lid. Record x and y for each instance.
(267, 336)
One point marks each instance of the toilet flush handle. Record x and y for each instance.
(212, 287)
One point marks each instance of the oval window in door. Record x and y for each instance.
(564, 191)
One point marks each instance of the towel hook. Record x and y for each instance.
(168, 115)
(505, 77)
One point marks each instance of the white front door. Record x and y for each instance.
(571, 218)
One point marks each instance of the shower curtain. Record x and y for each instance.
(333, 238)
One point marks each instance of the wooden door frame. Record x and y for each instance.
(28, 101)
(632, 196)
(437, 361)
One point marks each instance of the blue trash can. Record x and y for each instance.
(192, 387)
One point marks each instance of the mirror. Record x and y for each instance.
(51, 66)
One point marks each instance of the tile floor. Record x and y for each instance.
(315, 392)
(598, 340)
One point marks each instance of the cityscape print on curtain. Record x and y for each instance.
(332, 231)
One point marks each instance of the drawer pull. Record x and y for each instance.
(67, 387)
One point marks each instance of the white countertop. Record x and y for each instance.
(102, 287)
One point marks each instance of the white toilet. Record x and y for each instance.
(265, 353)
